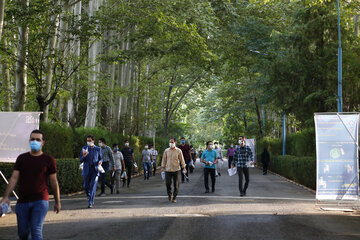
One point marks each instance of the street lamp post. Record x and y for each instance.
(339, 99)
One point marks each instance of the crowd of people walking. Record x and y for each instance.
(103, 163)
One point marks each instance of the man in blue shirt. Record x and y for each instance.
(209, 158)
(243, 157)
(92, 158)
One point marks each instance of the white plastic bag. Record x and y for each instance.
(232, 171)
(123, 175)
(101, 169)
(81, 166)
(163, 175)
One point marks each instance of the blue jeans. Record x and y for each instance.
(30, 218)
(147, 170)
(90, 183)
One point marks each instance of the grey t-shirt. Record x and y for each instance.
(146, 156)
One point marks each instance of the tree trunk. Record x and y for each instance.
(6, 83)
(2, 8)
(258, 118)
(20, 75)
(92, 97)
(356, 24)
(49, 69)
(73, 116)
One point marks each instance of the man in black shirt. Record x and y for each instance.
(129, 159)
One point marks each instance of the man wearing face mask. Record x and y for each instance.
(92, 158)
(33, 170)
(209, 158)
(171, 161)
(230, 154)
(243, 158)
(146, 161)
(129, 159)
(185, 149)
(108, 160)
(119, 167)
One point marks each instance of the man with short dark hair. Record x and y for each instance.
(33, 170)
(209, 158)
(171, 161)
(185, 149)
(129, 159)
(243, 158)
(154, 155)
(108, 160)
(91, 158)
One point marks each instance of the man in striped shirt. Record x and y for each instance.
(243, 158)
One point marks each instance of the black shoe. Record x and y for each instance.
(219, 174)
(241, 194)
(206, 191)
(91, 206)
(213, 190)
(117, 192)
(245, 193)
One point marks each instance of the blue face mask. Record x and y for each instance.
(183, 142)
(35, 146)
(116, 149)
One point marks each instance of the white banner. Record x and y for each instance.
(15, 129)
(337, 156)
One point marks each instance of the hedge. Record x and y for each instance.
(64, 142)
(68, 174)
(299, 169)
(297, 144)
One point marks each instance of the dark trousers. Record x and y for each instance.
(174, 178)
(128, 173)
(154, 167)
(187, 173)
(210, 171)
(243, 171)
(230, 158)
(265, 168)
(103, 179)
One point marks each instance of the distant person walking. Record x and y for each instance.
(33, 170)
(185, 149)
(230, 154)
(219, 158)
(154, 155)
(91, 158)
(265, 160)
(209, 158)
(119, 167)
(129, 159)
(243, 158)
(108, 160)
(171, 161)
(193, 158)
(146, 161)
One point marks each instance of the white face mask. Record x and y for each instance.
(240, 142)
(216, 145)
(146, 147)
(90, 144)
(100, 144)
(211, 146)
(231, 145)
(126, 144)
(172, 145)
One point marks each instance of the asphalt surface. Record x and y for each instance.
(273, 208)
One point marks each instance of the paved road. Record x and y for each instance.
(273, 209)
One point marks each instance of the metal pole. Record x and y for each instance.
(263, 115)
(340, 99)
(284, 135)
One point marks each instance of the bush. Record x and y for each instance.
(297, 144)
(68, 175)
(299, 169)
(59, 141)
